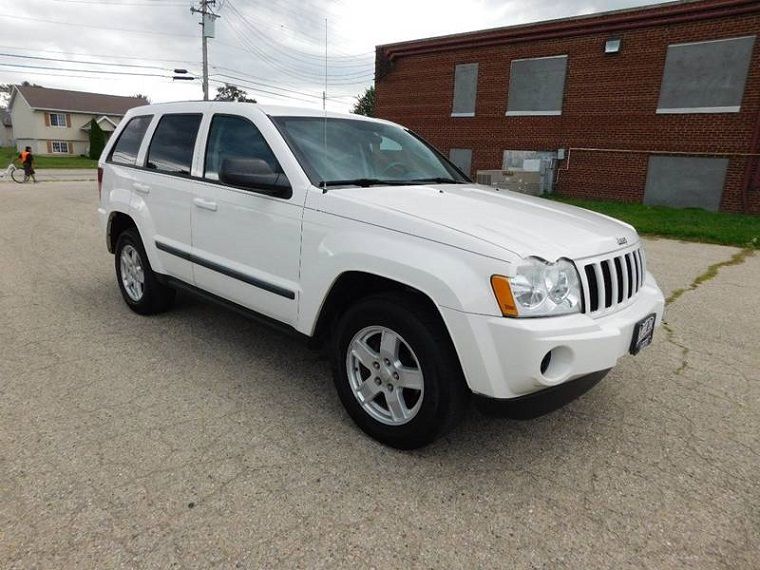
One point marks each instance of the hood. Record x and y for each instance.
(523, 225)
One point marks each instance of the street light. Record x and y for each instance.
(179, 75)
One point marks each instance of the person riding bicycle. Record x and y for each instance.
(27, 161)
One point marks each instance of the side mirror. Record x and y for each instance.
(255, 175)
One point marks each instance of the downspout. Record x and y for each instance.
(751, 164)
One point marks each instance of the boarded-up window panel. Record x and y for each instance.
(705, 76)
(465, 89)
(47, 119)
(537, 86)
(49, 146)
(462, 159)
(68, 120)
(71, 147)
(685, 182)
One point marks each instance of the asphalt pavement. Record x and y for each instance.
(199, 439)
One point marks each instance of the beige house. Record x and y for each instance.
(57, 121)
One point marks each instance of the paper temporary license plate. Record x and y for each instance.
(643, 333)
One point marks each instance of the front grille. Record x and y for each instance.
(612, 281)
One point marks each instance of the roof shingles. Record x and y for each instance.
(78, 101)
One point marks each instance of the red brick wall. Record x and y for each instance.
(610, 102)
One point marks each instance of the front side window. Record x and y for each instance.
(171, 149)
(130, 139)
(336, 152)
(58, 119)
(60, 147)
(233, 137)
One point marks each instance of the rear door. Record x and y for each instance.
(246, 244)
(166, 191)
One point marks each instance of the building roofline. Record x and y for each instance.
(604, 22)
(57, 110)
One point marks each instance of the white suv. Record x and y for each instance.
(423, 287)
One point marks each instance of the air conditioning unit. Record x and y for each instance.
(523, 181)
(495, 178)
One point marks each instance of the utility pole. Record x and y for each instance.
(207, 25)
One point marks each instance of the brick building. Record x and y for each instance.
(658, 104)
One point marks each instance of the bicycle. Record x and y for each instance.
(15, 173)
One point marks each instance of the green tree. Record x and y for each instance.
(232, 93)
(97, 140)
(365, 103)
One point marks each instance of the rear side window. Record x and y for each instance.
(126, 148)
(235, 137)
(171, 149)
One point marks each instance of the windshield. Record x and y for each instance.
(363, 153)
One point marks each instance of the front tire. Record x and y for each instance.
(396, 371)
(19, 176)
(138, 284)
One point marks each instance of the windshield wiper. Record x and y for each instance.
(362, 182)
(435, 180)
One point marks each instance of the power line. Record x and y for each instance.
(259, 90)
(284, 67)
(309, 58)
(112, 56)
(90, 27)
(82, 62)
(95, 71)
(121, 4)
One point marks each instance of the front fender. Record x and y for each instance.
(451, 277)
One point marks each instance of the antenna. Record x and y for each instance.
(324, 111)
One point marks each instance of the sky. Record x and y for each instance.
(274, 49)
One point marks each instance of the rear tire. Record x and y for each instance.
(404, 397)
(139, 287)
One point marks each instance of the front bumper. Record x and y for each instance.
(502, 357)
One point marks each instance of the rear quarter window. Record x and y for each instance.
(126, 148)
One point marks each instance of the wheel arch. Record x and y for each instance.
(352, 286)
(117, 222)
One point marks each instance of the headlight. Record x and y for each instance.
(539, 289)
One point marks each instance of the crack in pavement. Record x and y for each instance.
(707, 275)
(710, 273)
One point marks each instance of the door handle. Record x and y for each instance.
(205, 204)
(142, 188)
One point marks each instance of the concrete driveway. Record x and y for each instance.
(199, 439)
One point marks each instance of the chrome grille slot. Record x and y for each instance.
(612, 281)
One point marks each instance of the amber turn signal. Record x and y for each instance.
(503, 293)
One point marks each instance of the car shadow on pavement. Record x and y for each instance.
(278, 362)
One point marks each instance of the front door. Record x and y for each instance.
(246, 245)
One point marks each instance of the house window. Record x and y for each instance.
(60, 147)
(58, 119)
(537, 86)
(465, 90)
(705, 77)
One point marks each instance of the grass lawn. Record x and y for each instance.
(9, 153)
(687, 224)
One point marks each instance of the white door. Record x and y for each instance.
(246, 245)
(168, 191)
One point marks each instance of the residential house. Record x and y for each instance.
(57, 121)
(6, 128)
